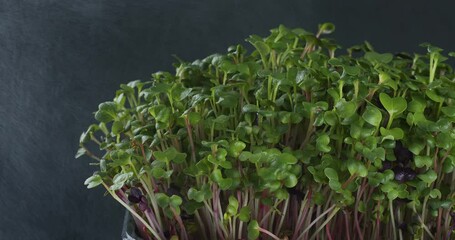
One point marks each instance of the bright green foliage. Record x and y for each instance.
(240, 144)
(253, 230)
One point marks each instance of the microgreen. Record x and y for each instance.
(290, 141)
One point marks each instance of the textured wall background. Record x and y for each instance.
(60, 58)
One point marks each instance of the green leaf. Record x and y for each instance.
(168, 212)
(330, 118)
(233, 206)
(372, 115)
(226, 183)
(394, 105)
(418, 104)
(244, 156)
(194, 194)
(285, 117)
(117, 127)
(345, 109)
(377, 153)
(161, 156)
(244, 214)
(384, 78)
(388, 175)
(107, 112)
(228, 66)
(178, 157)
(291, 181)
(410, 119)
(296, 118)
(322, 143)
(375, 178)
(194, 118)
(378, 196)
(80, 152)
(331, 174)
(120, 179)
(393, 194)
(281, 194)
(449, 164)
(120, 157)
(228, 99)
(93, 181)
(396, 133)
(421, 161)
(235, 148)
(444, 140)
(416, 147)
(428, 177)
(287, 158)
(326, 28)
(175, 201)
(159, 173)
(334, 185)
(253, 230)
(216, 175)
(250, 108)
(161, 113)
(388, 186)
(435, 193)
(335, 61)
(263, 50)
(162, 199)
(434, 96)
(352, 70)
(377, 57)
(449, 111)
(190, 206)
(356, 167)
(85, 137)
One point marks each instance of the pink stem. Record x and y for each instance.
(269, 233)
(327, 229)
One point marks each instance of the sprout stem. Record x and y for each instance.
(268, 233)
(133, 212)
(183, 233)
(329, 218)
(190, 138)
(392, 217)
(316, 220)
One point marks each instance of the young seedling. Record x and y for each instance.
(290, 141)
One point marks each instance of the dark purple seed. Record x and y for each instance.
(135, 192)
(386, 165)
(400, 174)
(410, 174)
(404, 174)
(402, 154)
(135, 195)
(133, 199)
(403, 226)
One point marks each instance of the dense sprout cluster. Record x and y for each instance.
(291, 141)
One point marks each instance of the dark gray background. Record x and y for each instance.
(60, 58)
